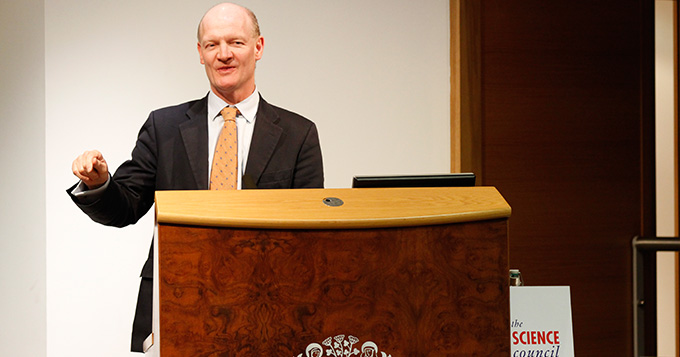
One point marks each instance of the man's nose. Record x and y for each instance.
(224, 52)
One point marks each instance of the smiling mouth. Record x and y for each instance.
(226, 69)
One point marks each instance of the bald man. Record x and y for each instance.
(277, 148)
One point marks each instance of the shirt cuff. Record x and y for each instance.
(85, 195)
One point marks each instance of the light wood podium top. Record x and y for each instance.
(307, 208)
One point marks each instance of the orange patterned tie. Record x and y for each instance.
(224, 172)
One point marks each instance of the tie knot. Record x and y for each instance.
(229, 113)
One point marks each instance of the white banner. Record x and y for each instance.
(540, 321)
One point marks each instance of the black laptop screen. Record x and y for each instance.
(441, 180)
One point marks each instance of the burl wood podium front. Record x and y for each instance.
(335, 272)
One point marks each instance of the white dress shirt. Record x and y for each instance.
(245, 122)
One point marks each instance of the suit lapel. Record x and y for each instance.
(195, 137)
(266, 135)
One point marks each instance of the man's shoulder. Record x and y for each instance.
(181, 109)
(284, 115)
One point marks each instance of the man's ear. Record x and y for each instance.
(259, 47)
(200, 53)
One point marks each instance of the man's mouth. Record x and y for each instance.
(226, 69)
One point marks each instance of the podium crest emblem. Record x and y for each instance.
(339, 346)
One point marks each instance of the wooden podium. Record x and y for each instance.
(334, 272)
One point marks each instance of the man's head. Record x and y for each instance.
(229, 45)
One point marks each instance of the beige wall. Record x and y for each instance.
(22, 193)
(666, 170)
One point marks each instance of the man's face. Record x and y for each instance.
(229, 49)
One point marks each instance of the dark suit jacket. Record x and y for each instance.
(172, 154)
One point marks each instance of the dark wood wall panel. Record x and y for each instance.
(566, 135)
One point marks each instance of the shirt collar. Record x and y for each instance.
(248, 107)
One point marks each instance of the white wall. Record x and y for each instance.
(22, 193)
(109, 63)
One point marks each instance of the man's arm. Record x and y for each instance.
(309, 167)
(128, 195)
